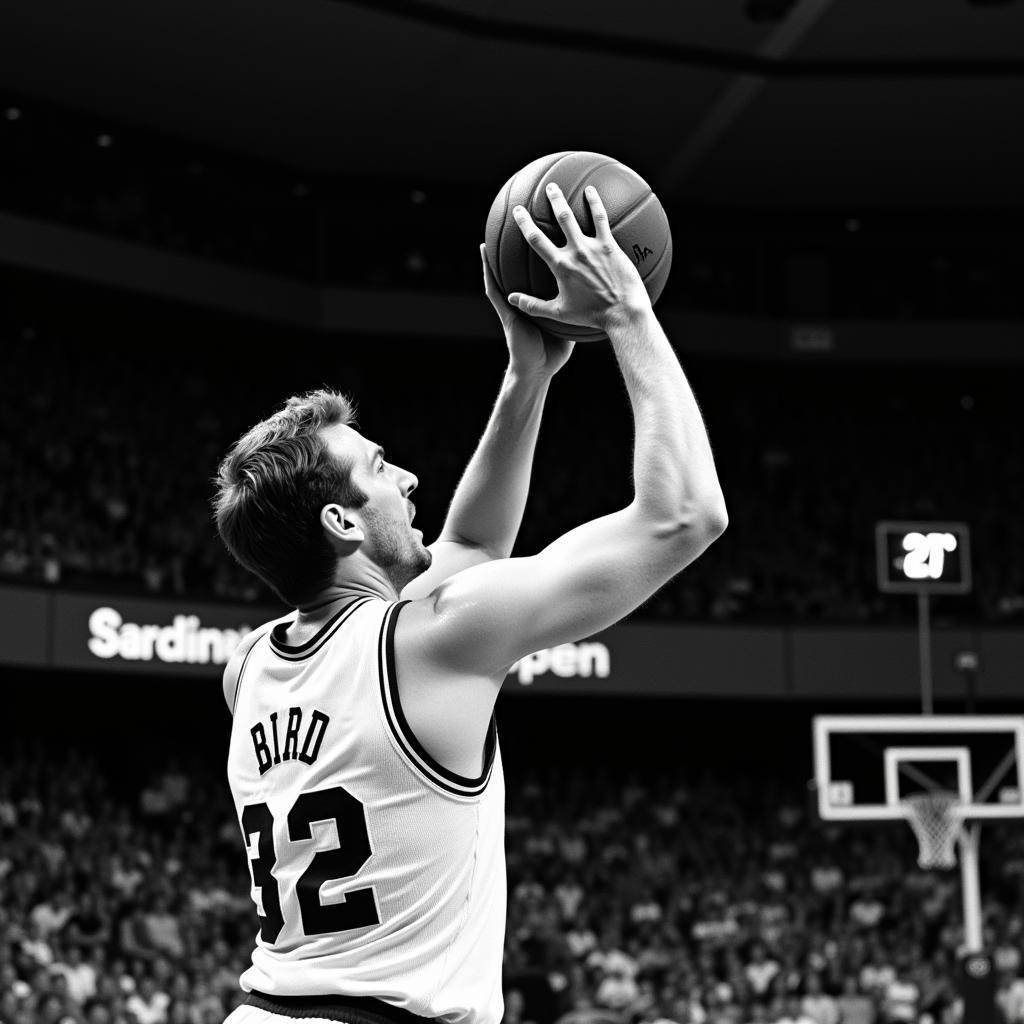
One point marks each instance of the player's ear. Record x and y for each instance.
(345, 533)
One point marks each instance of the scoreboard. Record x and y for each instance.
(916, 557)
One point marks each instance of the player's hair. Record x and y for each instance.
(271, 486)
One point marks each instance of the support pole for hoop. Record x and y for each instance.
(976, 977)
(968, 842)
(924, 647)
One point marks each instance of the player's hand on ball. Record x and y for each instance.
(597, 281)
(531, 352)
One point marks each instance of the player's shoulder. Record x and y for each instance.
(233, 669)
(437, 634)
(419, 621)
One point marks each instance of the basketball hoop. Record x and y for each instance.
(937, 823)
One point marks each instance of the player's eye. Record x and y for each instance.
(380, 466)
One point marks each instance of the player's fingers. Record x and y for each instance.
(599, 213)
(563, 214)
(535, 238)
(531, 305)
(489, 282)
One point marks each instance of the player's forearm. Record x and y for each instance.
(674, 473)
(488, 505)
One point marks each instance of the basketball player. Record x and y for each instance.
(364, 758)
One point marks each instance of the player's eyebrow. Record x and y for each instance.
(378, 454)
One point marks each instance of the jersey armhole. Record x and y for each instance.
(414, 751)
(232, 682)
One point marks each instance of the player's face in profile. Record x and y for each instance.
(392, 542)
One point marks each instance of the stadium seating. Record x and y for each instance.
(667, 896)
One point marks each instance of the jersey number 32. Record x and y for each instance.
(358, 909)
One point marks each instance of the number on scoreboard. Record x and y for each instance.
(916, 556)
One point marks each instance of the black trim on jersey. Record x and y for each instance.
(241, 669)
(298, 652)
(436, 773)
(351, 1009)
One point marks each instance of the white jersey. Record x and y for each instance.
(376, 871)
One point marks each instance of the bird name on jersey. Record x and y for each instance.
(294, 739)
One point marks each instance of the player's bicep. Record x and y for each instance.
(486, 618)
(448, 557)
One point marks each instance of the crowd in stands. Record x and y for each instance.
(664, 896)
(108, 446)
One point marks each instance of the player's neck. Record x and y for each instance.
(340, 593)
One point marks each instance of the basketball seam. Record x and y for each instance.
(624, 217)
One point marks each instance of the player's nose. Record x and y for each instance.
(409, 482)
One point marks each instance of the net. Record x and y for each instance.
(937, 823)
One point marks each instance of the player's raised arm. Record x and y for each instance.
(484, 619)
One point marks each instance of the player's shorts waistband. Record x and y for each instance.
(348, 1009)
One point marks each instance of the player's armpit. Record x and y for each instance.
(448, 558)
(486, 618)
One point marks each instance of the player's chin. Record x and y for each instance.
(421, 557)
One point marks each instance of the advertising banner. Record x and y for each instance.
(178, 637)
(114, 634)
(658, 661)
(160, 636)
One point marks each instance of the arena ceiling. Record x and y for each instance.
(842, 101)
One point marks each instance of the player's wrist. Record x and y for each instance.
(631, 313)
(523, 376)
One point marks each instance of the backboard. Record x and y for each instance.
(866, 766)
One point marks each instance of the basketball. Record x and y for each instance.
(635, 215)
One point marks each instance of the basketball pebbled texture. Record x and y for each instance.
(635, 216)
